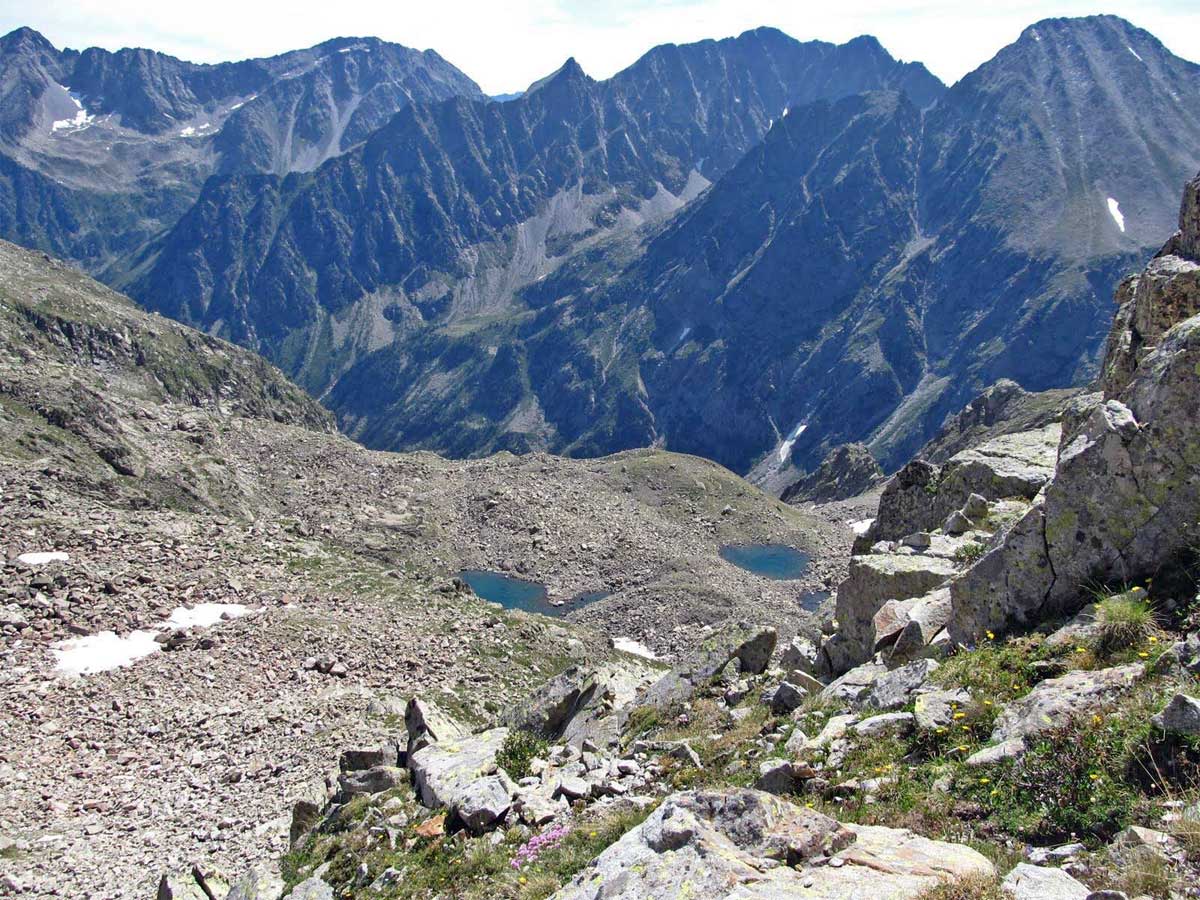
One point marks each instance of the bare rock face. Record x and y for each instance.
(922, 495)
(718, 844)
(1187, 243)
(1166, 293)
(847, 471)
(1122, 501)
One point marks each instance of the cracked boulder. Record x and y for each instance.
(872, 582)
(1122, 503)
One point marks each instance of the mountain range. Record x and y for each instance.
(752, 249)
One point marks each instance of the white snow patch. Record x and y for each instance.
(1037, 37)
(204, 615)
(188, 132)
(82, 117)
(107, 650)
(1135, 53)
(783, 115)
(861, 526)
(1114, 209)
(102, 651)
(40, 559)
(786, 447)
(637, 648)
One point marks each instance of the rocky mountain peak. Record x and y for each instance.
(569, 73)
(25, 38)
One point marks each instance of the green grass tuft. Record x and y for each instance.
(1125, 620)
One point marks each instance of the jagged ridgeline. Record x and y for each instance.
(753, 249)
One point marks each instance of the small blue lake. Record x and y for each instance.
(777, 561)
(517, 593)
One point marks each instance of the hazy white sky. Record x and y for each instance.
(506, 44)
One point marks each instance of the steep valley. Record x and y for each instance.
(175, 470)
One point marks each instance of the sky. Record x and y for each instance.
(507, 44)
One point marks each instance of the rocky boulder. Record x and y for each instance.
(1126, 486)
(551, 707)
(311, 889)
(1052, 704)
(922, 496)
(426, 723)
(871, 582)
(1181, 715)
(1026, 882)
(750, 645)
(257, 884)
(712, 845)
(445, 773)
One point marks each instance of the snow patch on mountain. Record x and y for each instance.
(82, 118)
(786, 447)
(1114, 209)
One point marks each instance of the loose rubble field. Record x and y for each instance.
(173, 470)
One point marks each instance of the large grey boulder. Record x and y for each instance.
(385, 753)
(896, 688)
(444, 772)
(1011, 465)
(311, 889)
(800, 655)
(1181, 715)
(854, 685)
(921, 496)
(750, 645)
(258, 884)
(1026, 882)
(374, 780)
(426, 722)
(485, 801)
(923, 619)
(1054, 702)
(936, 709)
(550, 708)
(713, 845)
(871, 581)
